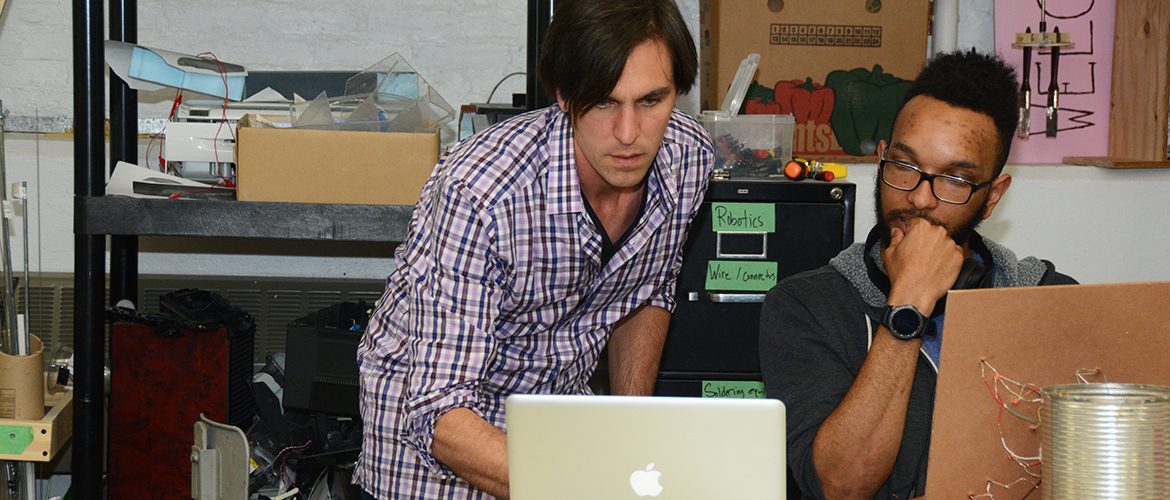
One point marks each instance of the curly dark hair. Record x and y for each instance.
(978, 82)
(588, 42)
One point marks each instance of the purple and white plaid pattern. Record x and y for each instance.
(499, 289)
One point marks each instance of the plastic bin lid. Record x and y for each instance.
(739, 86)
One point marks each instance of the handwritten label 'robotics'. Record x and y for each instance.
(743, 217)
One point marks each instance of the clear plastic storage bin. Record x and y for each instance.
(750, 146)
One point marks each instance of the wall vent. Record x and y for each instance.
(274, 302)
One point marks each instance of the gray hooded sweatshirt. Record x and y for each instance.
(815, 331)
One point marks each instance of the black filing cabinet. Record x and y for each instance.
(748, 235)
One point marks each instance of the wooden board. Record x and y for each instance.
(1039, 336)
(49, 433)
(1141, 80)
(1117, 163)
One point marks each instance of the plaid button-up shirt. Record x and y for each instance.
(499, 289)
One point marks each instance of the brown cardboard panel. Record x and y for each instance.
(809, 40)
(327, 166)
(1038, 336)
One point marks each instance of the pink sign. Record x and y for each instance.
(1084, 72)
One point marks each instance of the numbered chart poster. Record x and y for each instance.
(1082, 79)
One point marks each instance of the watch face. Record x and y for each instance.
(905, 322)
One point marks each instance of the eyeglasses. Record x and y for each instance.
(948, 188)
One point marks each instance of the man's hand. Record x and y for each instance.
(922, 264)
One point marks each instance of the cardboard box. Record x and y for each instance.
(330, 166)
(839, 68)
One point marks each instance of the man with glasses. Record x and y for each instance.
(852, 348)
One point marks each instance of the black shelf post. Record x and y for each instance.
(123, 147)
(89, 250)
(539, 16)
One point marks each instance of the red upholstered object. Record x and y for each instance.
(159, 385)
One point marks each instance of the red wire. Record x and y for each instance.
(174, 107)
(223, 75)
(223, 110)
(991, 391)
(215, 140)
(180, 194)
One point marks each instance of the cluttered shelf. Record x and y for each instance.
(118, 215)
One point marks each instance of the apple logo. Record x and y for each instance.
(645, 482)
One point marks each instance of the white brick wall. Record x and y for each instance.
(463, 47)
(36, 57)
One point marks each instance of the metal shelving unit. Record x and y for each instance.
(124, 219)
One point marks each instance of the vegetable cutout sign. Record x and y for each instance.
(846, 115)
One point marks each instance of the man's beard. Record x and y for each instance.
(959, 234)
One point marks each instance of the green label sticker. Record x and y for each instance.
(749, 217)
(733, 389)
(14, 439)
(741, 275)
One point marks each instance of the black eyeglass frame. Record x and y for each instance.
(929, 178)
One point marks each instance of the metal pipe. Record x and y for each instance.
(8, 340)
(89, 250)
(26, 470)
(945, 26)
(26, 293)
(9, 290)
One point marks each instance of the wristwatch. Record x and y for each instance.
(905, 321)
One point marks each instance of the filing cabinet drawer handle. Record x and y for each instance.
(735, 298)
(719, 253)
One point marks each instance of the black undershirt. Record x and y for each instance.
(609, 248)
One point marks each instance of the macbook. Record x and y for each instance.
(616, 447)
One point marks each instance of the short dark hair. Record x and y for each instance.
(588, 42)
(978, 82)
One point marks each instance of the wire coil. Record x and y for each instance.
(1105, 441)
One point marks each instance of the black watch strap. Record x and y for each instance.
(905, 321)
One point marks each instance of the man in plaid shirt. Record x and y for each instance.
(534, 244)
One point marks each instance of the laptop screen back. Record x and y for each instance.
(617, 447)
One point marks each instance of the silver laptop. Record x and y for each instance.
(614, 447)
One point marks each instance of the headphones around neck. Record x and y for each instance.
(972, 275)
